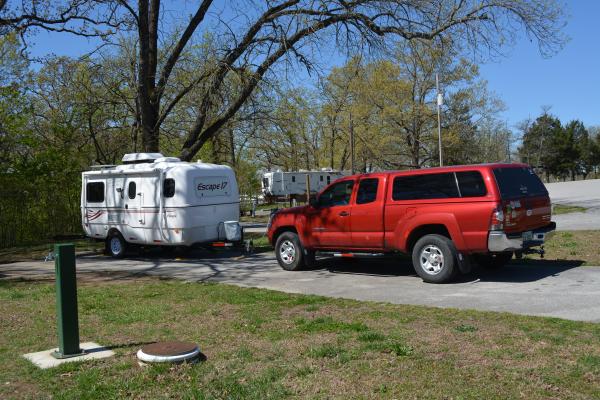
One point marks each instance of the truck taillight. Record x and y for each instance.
(497, 221)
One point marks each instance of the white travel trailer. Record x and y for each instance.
(293, 184)
(156, 200)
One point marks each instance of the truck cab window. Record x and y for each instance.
(169, 187)
(131, 190)
(94, 192)
(337, 195)
(367, 191)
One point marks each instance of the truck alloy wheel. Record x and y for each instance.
(287, 252)
(290, 252)
(434, 258)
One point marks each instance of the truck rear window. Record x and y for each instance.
(519, 182)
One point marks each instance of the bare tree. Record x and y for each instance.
(89, 18)
(281, 33)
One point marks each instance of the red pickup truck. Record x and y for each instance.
(446, 218)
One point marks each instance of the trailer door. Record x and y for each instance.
(134, 201)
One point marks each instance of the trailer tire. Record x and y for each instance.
(116, 245)
(289, 252)
(434, 259)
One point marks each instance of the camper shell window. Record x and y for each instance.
(94, 192)
(131, 190)
(169, 187)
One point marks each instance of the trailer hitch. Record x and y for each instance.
(539, 251)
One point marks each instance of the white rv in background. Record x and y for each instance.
(278, 185)
(156, 200)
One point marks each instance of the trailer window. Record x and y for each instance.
(321, 178)
(328, 179)
(367, 191)
(425, 186)
(337, 195)
(169, 187)
(94, 192)
(131, 190)
(293, 178)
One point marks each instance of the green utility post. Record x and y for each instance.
(66, 302)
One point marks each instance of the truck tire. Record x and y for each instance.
(289, 252)
(115, 245)
(434, 258)
(493, 260)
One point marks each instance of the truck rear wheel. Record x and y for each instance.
(289, 251)
(115, 245)
(434, 258)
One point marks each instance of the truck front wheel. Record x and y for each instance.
(289, 251)
(434, 258)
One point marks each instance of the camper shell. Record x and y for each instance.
(156, 200)
(277, 185)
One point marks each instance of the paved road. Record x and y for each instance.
(579, 193)
(547, 289)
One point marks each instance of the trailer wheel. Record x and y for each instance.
(116, 245)
(434, 258)
(289, 251)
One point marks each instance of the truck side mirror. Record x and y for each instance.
(314, 202)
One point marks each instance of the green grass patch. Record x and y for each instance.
(465, 328)
(264, 344)
(328, 324)
(576, 246)
(559, 209)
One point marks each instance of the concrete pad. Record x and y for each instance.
(44, 359)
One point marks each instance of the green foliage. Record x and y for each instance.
(389, 106)
(559, 151)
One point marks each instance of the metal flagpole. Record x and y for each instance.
(440, 101)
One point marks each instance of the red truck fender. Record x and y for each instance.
(425, 224)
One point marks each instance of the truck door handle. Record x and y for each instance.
(344, 214)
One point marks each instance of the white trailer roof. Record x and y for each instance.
(162, 163)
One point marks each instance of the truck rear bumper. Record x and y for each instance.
(500, 241)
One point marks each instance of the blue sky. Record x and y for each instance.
(568, 82)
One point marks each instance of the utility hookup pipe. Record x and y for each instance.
(66, 302)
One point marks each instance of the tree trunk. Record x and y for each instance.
(148, 11)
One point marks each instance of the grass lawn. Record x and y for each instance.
(39, 251)
(264, 344)
(558, 209)
(573, 245)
